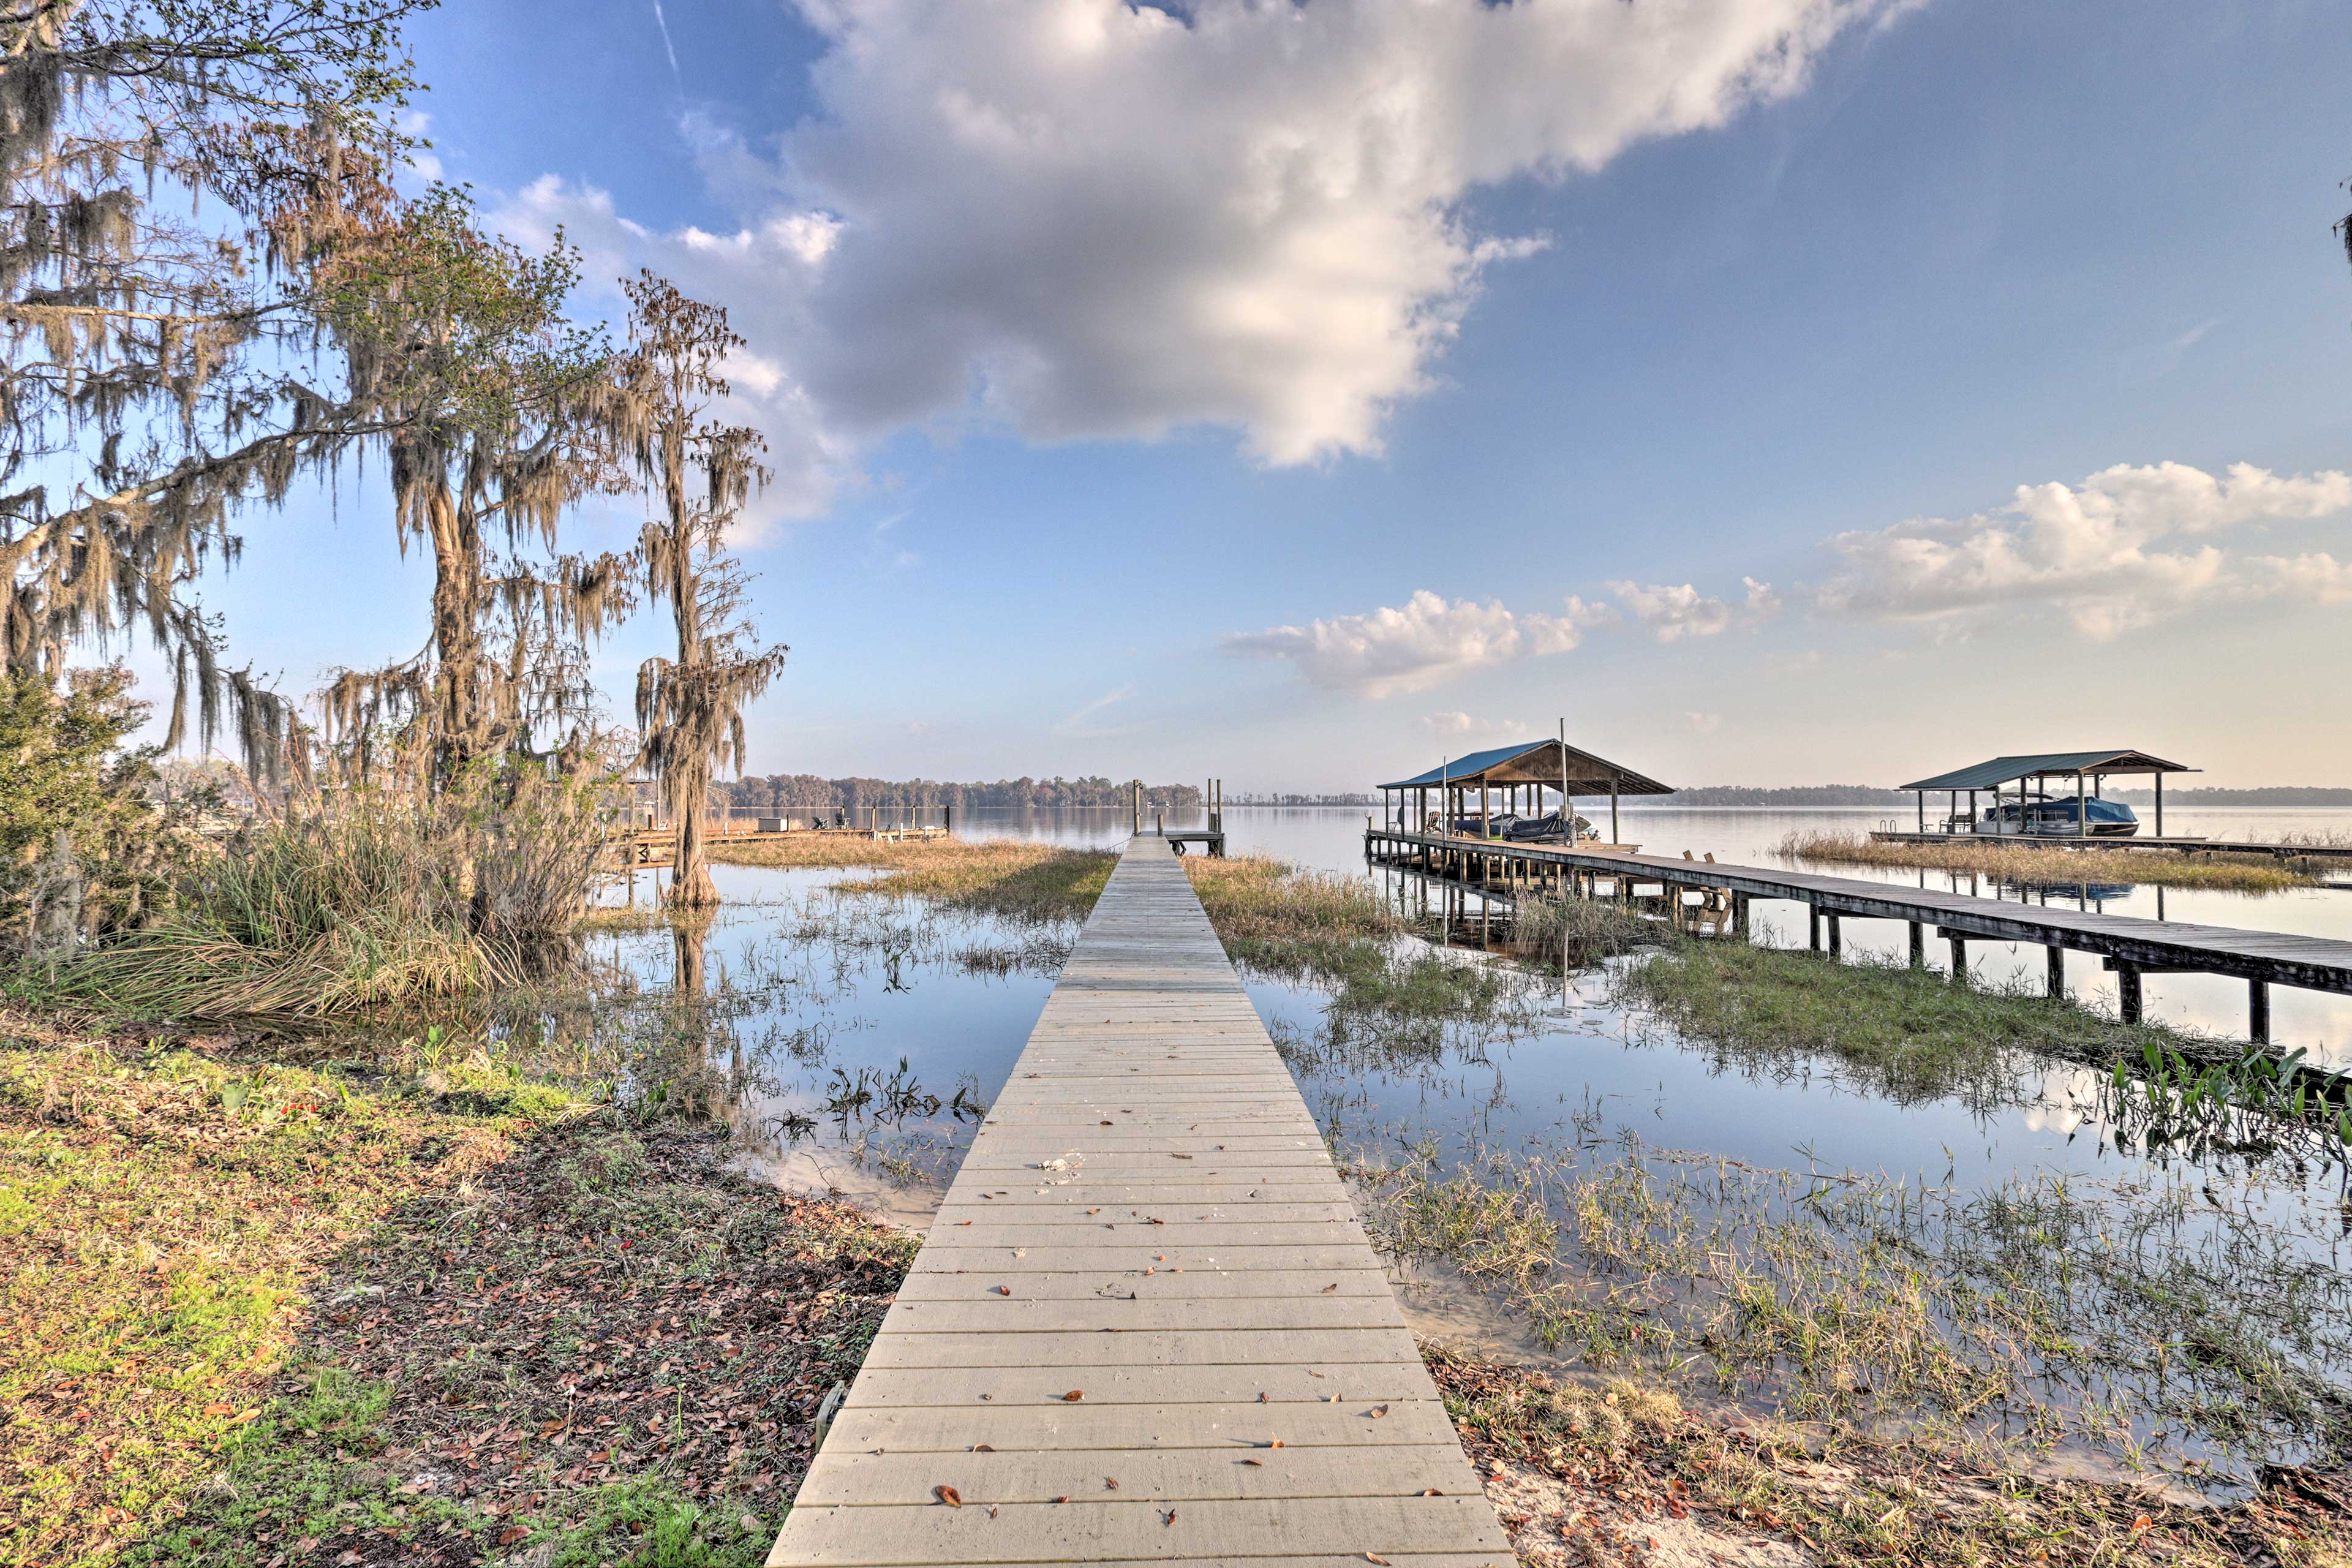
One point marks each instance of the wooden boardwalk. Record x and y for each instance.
(1146, 1325)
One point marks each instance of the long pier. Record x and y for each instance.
(2254, 847)
(2132, 946)
(1147, 1324)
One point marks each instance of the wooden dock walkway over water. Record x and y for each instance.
(2255, 846)
(2132, 945)
(1146, 1325)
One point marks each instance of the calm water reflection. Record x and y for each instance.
(1331, 838)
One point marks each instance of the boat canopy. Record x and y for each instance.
(1550, 764)
(2001, 771)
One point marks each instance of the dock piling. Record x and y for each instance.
(2058, 970)
(2258, 1012)
(2127, 997)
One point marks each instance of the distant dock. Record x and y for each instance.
(2102, 841)
(2131, 947)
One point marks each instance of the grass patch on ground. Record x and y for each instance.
(2061, 867)
(1909, 1034)
(1624, 1474)
(1012, 877)
(260, 1311)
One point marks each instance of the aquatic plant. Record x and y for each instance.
(2026, 865)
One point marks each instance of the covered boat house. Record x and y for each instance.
(2029, 773)
(1505, 786)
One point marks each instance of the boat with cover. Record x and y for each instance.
(2063, 817)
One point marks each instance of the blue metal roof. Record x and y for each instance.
(2008, 770)
(1538, 762)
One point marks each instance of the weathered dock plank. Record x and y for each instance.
(1148, 1221)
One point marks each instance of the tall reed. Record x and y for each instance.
(360, 896)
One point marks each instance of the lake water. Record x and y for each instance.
(856, 1036)
(1331, 838)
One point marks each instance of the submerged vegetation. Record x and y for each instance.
(2025, 865)
(2130, 1315)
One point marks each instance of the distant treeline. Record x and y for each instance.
(1803, 795)
(2285, 797)
(806, 791)
(2281, 798)
(1261, 798)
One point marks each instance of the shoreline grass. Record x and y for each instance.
(262, 1312)
(1019, 880)
(2057, 867)
(1623, 1473)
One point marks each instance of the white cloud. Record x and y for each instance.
(1093, 218)
(1458, 725)
(2124, 548)
(1082, 723)
(1667, 611)
(1763, 599)
(1704, 723)
(1427, 642)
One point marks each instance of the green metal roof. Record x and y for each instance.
(2009, 770)
(1537, 762)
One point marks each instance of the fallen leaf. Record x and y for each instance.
(1061, 1499)
(1168, 1518)
(949, 1496)
(1331, 1287)
(1074, 1396)
(1110, 1483)
(512, 1533)
(981, 1448)
(1379, 1411)
(220, 1409)
(1431, 1492)
(1276, 1444)
(1004, 1289)
(1258, 1463)
(1106, 1123)
(992, 1510)
(1376, 1557)
(1261, 1396)
(2141, 1523)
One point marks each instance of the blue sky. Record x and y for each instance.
(1298, 394)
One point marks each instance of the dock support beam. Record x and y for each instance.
(1837, 938)
(2258, 1012)
(1959, 959)
(1918, 945)
(2057, 970)
(1813, 923)
(2128, 1001)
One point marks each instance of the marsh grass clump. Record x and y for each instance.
(355, 899)
(1909, 1034)
(2027, 866)
(1576, 934)
(1012, 879)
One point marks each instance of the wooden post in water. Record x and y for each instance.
(1837, 937)
(1918, 945)
(2160, 805)
(2058, 970)
(1813, 928)
(2128, 995)
(1959, 958)
(2258, 1008)
(1615, 835)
